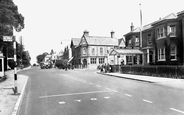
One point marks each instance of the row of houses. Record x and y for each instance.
(159, 43)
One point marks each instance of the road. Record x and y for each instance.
(84, 92)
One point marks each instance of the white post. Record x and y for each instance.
(15, 66)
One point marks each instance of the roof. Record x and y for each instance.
(168, 17)
(136, 30)
(148, 26)
(125, 51)
(98, 40)
(121, 42)
(76, 41)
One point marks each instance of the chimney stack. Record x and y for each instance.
(86, 33)
(131, 27)
(112, 34)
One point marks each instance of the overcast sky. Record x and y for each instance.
(50, 22)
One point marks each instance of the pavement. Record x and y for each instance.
(10, 102)
(168, 82)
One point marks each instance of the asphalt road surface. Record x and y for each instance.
(84, 92)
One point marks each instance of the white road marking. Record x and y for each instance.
(70, 94)
(78, 100)
(147, 101)
(93, 99)
(114, 91)
(91, 83)
(108, 89)
(177, 110)
(98, 86)
(128, 95)
(107, 97)
(62, 102)
(84, 81)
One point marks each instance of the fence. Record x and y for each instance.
(153, 70)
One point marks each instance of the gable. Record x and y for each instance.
(83, 41)
(113, 52)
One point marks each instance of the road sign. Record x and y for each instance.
(8, 38)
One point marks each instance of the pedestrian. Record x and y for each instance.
(105, 67)
(108, 68)
(102, 68)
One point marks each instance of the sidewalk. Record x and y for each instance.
(169, 82)
(9, 103)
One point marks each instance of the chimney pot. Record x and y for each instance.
(112, 34)
(86, 33)
(131, 27)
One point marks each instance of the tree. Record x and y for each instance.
(10, 18)
(40, 58)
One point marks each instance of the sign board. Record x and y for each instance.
(8, 38)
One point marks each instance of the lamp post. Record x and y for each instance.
(118, 56)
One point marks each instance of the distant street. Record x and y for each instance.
(84, 92)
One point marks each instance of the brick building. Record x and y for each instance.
(162, 40)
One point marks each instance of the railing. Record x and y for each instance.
(153, 70)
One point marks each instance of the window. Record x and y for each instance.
(93, 51)
(136, 41)
(129, 60)
(149, 39)
(161, 32)
(84, 51)
(93, 60)
(172, 31)
(173, 52)
(130, 42)
(161, 54)
(101, 51)
(101, 60)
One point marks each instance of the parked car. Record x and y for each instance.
(45, 65)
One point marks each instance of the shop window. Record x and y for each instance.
(101, 60)
(93, 60)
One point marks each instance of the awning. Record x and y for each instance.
(70, 59)
(126, 52)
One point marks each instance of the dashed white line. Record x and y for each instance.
(147, 101)
(128, 95)
(91, 83)
(108, 89)
(98, 86)
(93, 99)
(107, 97)
(177, 110)
(84, 81)
(78, 100)
(62, 102)
(114, 91)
